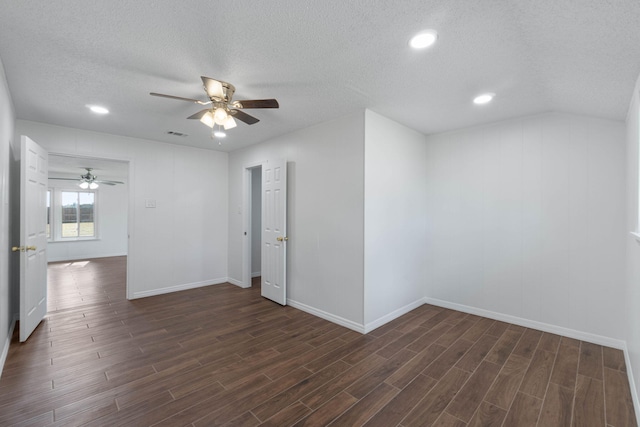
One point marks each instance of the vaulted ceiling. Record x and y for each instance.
(321, 60)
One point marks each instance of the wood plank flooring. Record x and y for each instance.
(221, 355)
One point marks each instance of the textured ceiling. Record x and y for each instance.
(321, 60)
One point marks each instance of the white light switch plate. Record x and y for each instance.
(150, 203)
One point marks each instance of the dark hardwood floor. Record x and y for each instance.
(221, 355)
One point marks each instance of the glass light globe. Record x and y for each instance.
(229, 123)
(220, 116)
(207, 119)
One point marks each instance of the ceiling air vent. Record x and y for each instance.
(174, 133)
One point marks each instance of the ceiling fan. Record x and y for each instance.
(222, 111)
(89, 180)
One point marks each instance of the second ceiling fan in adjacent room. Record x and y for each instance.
(89, 180)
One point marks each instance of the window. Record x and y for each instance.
(77, 214)
(71, 215)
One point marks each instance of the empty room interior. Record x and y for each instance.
(320, 213)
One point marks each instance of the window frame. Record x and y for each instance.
(55, 217)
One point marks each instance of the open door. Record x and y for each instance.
(33, 236)
(274, 231)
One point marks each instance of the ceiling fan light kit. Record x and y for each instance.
(229, 123)
(91, 186)
(208, 120)
(222, 111)
(220, 116)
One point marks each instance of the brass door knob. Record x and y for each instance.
(281, 239)
(23, 248)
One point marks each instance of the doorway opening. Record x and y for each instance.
(254, 228)
(273, 228)
(100, 216)
(86, 283)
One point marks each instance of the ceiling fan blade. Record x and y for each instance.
(67, 179)
(108, 182)
(180, 98)
(244, 117)
(213, 87)
(257, 103)
(199, 114)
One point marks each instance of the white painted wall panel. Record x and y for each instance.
(554, 286)
(467, 255)
(532, 301)
(394, 217)
(580, 252)
(182, 242)
(325, 214)
(632, 291)
(525, 218)
(501, 213)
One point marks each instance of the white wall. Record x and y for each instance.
(325, 215)
(526, 218)
(180, 244)
(632, 294)
(394, 219)
(256, 221)
(7, 119)
(112, 213)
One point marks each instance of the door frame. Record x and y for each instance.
(246, 221)
(130, 210)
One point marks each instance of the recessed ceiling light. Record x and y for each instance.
(484, 98)
(423, 39)
(98, 109)
(219, 134)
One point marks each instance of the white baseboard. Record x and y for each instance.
(256, 274)
(177, 288)
(358, 327)
(238, 283)
(632, 384)
(393, 315)
(545, 327)
(7, 343)
(79, 258)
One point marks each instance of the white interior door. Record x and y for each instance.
(274, 231)
(33, 236)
